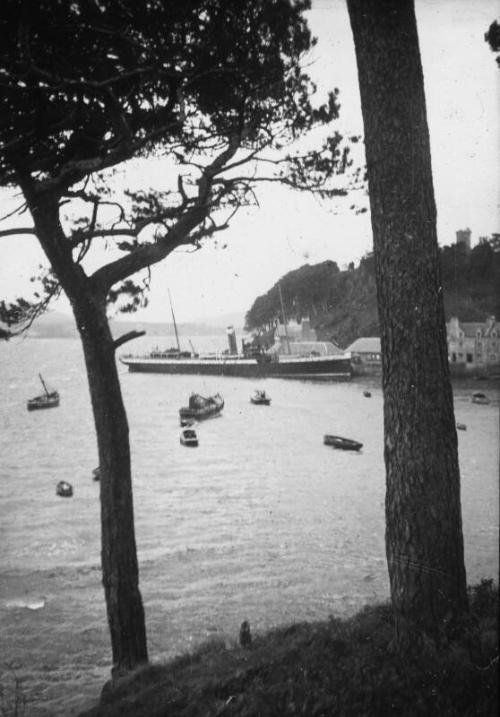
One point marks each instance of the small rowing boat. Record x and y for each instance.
(345, 444)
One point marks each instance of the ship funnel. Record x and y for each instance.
(231, 337)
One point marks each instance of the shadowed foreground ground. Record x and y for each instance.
(339, 667)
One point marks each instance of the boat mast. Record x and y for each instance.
(284, 320)
(43, 384)
(175, 325)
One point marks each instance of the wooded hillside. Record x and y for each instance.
(342, 305)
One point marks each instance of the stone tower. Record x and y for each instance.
(463, 237)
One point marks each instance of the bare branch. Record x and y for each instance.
(17, 230)
(127, 337)
(179, 234)
(18, 210)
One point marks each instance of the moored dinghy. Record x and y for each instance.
(64, 489)
(260, 398)
(479, 397)
(189, 437)
(345, 444)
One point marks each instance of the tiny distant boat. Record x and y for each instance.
(479, 397)
(189, 437)
(49, 399)
(260, 398)
(461, 427)
(200, 407)
(96, 473)
(367, 394)
(346, 444)
(64, 489)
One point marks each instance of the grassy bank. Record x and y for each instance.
(338, 667)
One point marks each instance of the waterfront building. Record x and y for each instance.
(473, 346)
(473, 349)
(366, 356)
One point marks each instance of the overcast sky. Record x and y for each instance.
(289, 230)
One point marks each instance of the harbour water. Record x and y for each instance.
(260, 522)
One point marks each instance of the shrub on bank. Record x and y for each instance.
(338, 667)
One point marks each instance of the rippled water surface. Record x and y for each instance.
(260, 522)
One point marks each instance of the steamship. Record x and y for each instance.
(295, 354)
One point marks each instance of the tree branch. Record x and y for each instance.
(179, 234)
(18, 230)
(127, 337)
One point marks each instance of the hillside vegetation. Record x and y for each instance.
(337, 667)
(342, 305)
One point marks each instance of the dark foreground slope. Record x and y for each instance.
(339, 667)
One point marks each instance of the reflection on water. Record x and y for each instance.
(261, 521)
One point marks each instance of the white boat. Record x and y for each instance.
(189, 437)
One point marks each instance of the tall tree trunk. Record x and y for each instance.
(120, 573)
(424, 540)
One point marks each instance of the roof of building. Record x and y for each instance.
(307, 348)
(471, 328)
(365, 345)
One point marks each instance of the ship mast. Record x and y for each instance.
(43, 384)
(175, 325)
(284, 320)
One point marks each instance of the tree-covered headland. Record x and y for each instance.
(341, 304)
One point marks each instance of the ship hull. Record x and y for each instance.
(326, 368)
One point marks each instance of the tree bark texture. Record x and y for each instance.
(119, 553)
(424, 539)
(120, 571)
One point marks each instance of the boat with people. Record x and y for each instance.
(280, 357)
(260, 398)
(479, 397)
(201, 407)
(48, 399)
(64, 489)
(345, 444)
(189, 437)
